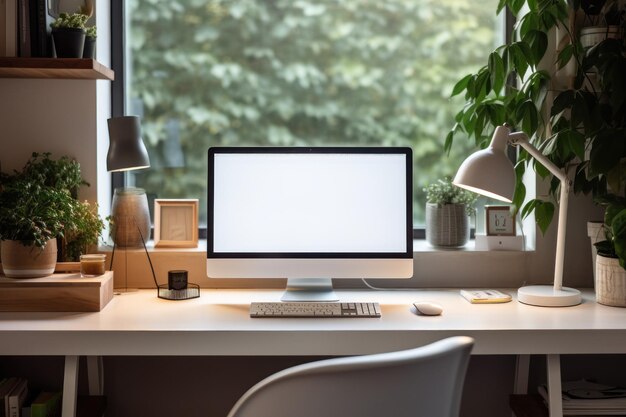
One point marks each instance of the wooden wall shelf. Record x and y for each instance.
(55, 68)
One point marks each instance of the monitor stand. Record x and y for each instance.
(309, 289)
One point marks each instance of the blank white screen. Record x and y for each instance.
(309, 203)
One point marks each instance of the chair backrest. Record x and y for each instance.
(421, 382)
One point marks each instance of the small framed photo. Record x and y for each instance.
(499, 221)
(175, 223)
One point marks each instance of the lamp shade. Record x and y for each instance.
(489, 172)
(126, 148)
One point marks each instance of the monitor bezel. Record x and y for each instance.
(406, 151)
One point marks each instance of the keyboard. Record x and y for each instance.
(290, 309)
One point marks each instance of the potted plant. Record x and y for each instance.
(599, 20)
(447, 213)
(512, 88)
(89, 50)
(611, 258)
(68, 35)
(32, 216)
(38, 205)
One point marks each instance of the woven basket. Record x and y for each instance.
(610, 282)
(447, 225)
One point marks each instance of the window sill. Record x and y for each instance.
(433, 268)
(419, 246)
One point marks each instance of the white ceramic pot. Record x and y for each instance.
(593, 35)
(19, 261)
(610, 282)
(447, 225)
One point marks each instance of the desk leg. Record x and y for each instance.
(70, 386)
(95, 373)
(522, 364)
(554, 385)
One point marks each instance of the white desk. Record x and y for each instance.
(217, 323)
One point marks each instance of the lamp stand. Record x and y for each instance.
(545, 295)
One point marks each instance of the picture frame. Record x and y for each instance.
(175, 223)
(499, 221)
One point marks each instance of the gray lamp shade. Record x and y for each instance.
(126, 148)
(489, 172)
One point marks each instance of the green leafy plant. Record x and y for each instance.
(86, 229)
(38, 203)
(444, 192)
(583, 130)
(63, 173)
(91, 32)
(70, 21)
(33, 214)
(614, 229)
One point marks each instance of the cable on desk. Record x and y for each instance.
(371, 287)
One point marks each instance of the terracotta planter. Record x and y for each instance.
(610, 282)
(19, 261)
(447, 225)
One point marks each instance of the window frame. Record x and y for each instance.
(118, 90)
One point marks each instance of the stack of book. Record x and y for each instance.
(585, 398)
(13, 394)
(17, 401)
(25, 27)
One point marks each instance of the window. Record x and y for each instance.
(295, 72)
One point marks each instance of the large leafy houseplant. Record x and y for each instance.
(582, 130)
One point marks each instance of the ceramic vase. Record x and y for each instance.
(19, 261)
(131, 217)
(610, 282)
(447, 225)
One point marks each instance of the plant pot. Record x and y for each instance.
(593, 35)
(131, 216)
(447, 225)
(89, 50)
(68, 42)
(610, 282)
(19, 261)
(595, 231)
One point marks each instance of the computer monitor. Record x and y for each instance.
(310, 215)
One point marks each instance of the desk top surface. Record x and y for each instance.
(217, 323)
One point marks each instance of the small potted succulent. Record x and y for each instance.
(68, 35)
(448, 208)
(89, 51)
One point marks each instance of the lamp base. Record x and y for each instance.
(548, 296)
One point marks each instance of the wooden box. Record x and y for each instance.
(57, 292)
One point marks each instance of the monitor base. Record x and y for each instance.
(309, 289)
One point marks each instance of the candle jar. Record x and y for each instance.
(92, 265)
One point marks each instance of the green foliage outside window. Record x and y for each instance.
(300, 73)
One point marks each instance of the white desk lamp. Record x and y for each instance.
(490, 172)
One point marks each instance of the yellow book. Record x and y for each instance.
(485, 296)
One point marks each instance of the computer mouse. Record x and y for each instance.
(426, 308)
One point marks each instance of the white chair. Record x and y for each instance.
(421, 382)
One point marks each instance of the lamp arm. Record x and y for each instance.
(520, 138)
